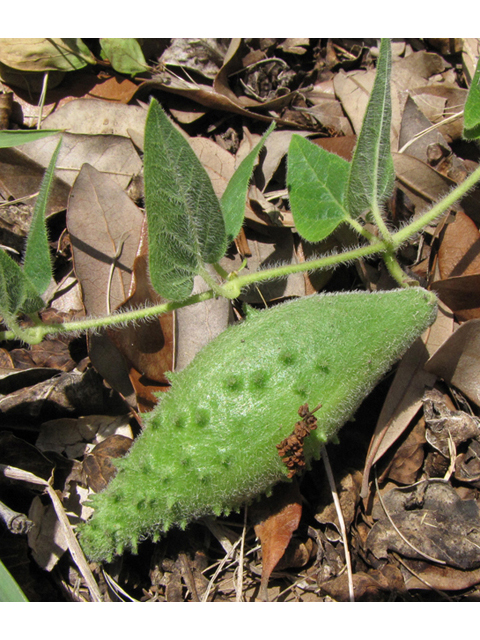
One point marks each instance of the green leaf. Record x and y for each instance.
(44, 54)
(37, 264)
(21, 136)
(471, 116)
(316, 181)
(372, 174)
(9, 589)
(124, 54)
(234, 196)
(17, 293)
(185, 221)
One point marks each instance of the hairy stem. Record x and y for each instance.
(232, 288)
(427, 218)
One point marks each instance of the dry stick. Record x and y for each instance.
(412, 546)
(75, 549)
(187, 575)
(221, 564)
(433, 127)
(239, 585)
(341, 522)
(113, 584)
(452, 450)
(15, 522)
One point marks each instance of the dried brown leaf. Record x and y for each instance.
(408, 458)
(20, 177)
(148, 348)
(422, 183)
(459, 251)
(343, 146)
(372, 586)
(348, 489)
(276, 518)
(89, 116)
(98, 466)
(434, 523)
(458, 360)
(105, 229)
(445, 425)
(113, 155)
(459, 267)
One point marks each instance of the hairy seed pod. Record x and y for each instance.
(211, 443)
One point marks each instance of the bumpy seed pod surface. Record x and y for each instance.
(210, 445)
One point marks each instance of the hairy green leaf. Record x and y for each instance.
(371, 177)
(124, 54)
(37, 264)
(17, 293)
(22, 136)
(316, 181)
(234, 196)
(185, 221)
(471, 117)
(9, 589)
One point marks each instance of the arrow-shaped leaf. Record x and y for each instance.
(37, 264)
(185, 222)
(17, 293)
(316, 181)
(234, 196)
(471, 118)
(372, 174)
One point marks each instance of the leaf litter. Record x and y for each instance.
(408, 483)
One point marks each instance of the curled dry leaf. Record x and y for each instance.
(444, 424)
(433, 519)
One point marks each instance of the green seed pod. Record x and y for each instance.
(211, 443)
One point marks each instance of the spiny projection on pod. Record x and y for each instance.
(212, 443)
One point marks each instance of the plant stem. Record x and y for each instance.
(427, 218)
(34, 335)
(233, 287)
(379, 221)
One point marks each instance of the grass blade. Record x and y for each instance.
(22, 136)
(9, 589)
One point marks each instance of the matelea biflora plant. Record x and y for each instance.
(214, 441)
(211, 444)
